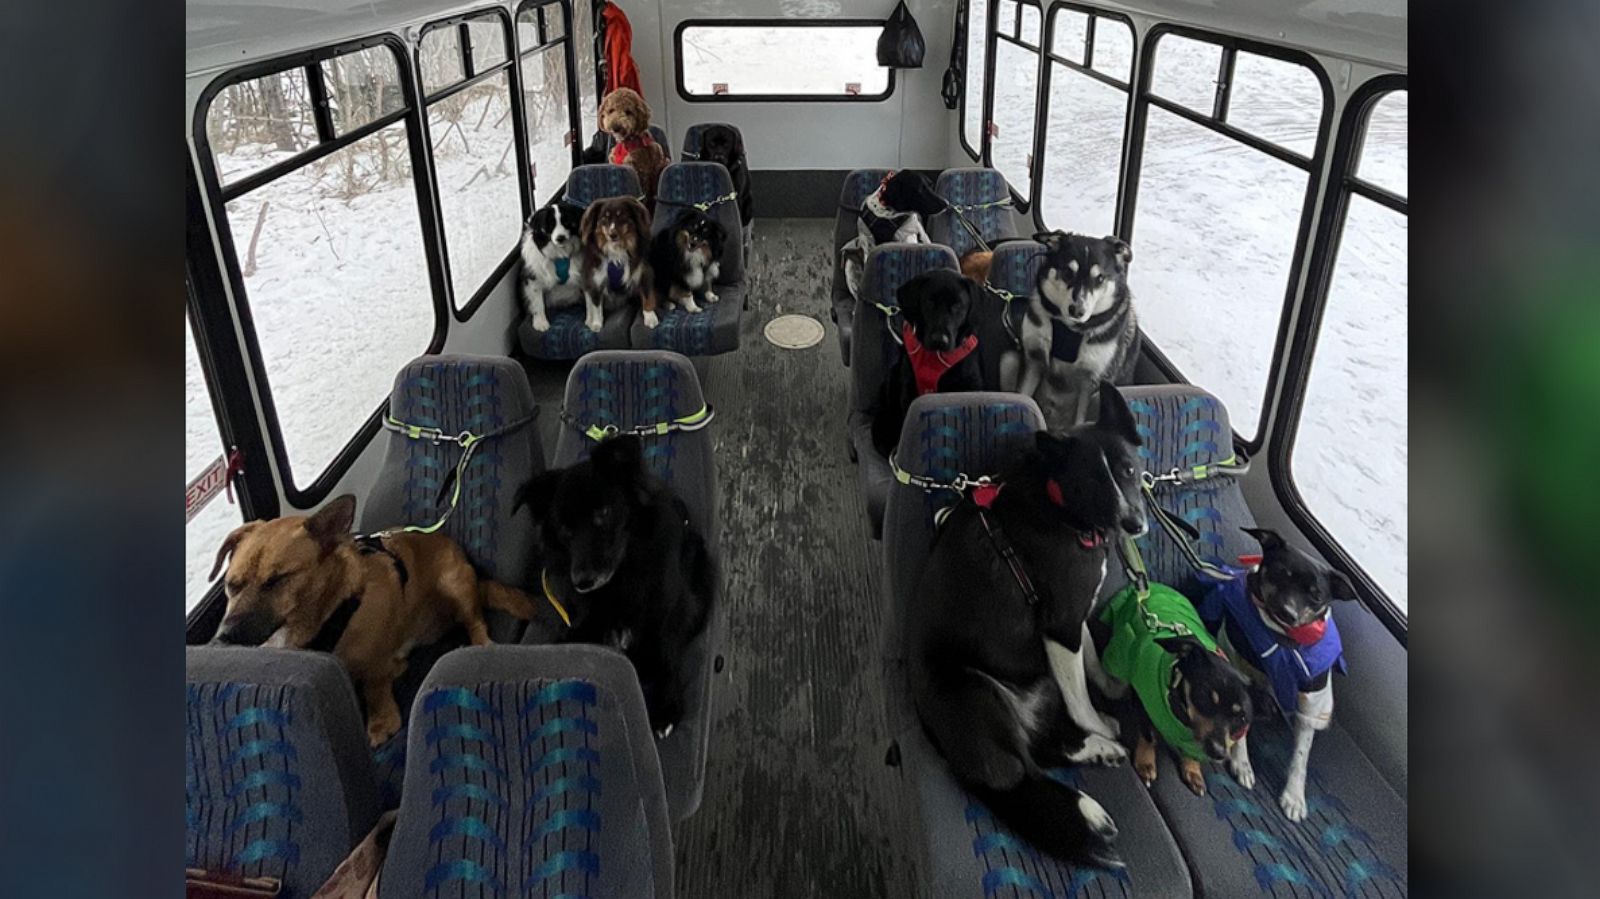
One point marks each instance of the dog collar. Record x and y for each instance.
(929, 366)
(550, 597)
(984, 495)
(563, 269)
(624, 147)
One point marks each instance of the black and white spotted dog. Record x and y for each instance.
(550, 263)
(891, 214)
(1080, 330)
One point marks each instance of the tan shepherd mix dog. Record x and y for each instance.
(287, 577)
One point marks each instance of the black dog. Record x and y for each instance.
(720, 143)
(685, 260)
(624, 567)
(893, 212)
(998, 630)
(939, 349)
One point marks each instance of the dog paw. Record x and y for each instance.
(711, 297)
(1193, 777)
(690, 306)
(1146, 769)
(541, 324)
(663, 732)
(1095, 815)
(1113, 726)
(1098, 750)
(380, 728)
(594, 324)
(1293, 804)
(1242, 772)
(651, 319)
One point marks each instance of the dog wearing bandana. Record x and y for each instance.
(550, 280)
(1276, 619)
(616, 236)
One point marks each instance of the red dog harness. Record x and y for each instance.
(626, 146)
(930, 366)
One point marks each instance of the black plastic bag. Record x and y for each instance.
(901, 45)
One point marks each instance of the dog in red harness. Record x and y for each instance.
(626, 117)
(939, 349)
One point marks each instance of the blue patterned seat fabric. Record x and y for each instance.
(277, 780)
(530, 773)
(857, 186)
(981, 196)
(875, 354)
(1353, 843)
(997, 319)
(569, 337)
(715, 328)
(966, 853)
(639, 388)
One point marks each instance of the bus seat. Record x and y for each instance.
(604, 139)
(457, 393)
(691, 153)
(1013, 273)
(857, 186)
(888, 267)
(981, 197)
(530, 773)
(1354, 841)
(277, 778)
(569, 337)
(967, 854)
(639, 389)
(974, 434)
(715, 328)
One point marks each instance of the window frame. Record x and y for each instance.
(771, 22)
(519, 55)
(964, 10)
(464, 311)
(1343, 184)
(1047, 60)
(1133, 163)
(216, 197)
(1023, 204)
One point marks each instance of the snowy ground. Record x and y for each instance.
(340, 291)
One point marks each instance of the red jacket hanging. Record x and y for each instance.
(618, 48)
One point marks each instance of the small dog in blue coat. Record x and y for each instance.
(1276, 619)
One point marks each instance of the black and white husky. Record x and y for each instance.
(1080, 330)
(550, 263)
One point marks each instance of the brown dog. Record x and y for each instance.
(975, 265)
(626, 117)
(289, 576)
(615, 235)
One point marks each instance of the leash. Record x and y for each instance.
(691, 422)
(572, 201)
(550, 597)
(928, 485)
(703, 206)
(1173, 526)
(1006, 297)
(467, 440)
(957, 209)
(1008, 555)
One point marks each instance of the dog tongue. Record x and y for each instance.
(1308, 634)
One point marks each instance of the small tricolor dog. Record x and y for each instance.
(1276, 620)
(685, 260)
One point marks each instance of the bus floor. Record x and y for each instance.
(798, 800)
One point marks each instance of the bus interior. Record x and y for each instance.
(359, 177)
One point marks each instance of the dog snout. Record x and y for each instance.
(246, 629)
(1134, 525)
(1074, 311)
(589, 581)
(560, 239)
(940, 340)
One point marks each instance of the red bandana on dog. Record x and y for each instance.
(930, 366)
(624, 147)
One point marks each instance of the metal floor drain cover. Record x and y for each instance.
(794, 332)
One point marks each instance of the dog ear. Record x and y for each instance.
(333, 522)
(1122, 250)
(1339, 586)
(537, 493)
(1050, 239)
(587, 224)
(621, 456)
(1182, 647)
(641, 218)
(229, 544)
(1115, 414)
(909, 298)
(1269, 539)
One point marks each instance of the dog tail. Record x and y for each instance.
(1055, 819)
(507, 599)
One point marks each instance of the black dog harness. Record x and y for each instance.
(370, 544)
(983, 496)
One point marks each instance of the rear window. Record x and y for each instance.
(832, 60)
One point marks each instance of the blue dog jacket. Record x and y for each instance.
(1290, 668)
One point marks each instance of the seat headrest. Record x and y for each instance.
(858, 185)
(1015, 267)
(588, 183)
(891, 265)
(1182, 426)
(694, 182)
(971, 185)
(693, 136)
(633, 389)
(974, 434)
(460, 392)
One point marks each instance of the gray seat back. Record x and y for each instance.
(456, 393)
(530, 771)
(981, 197)
(706, 186)
(997, 318)
(691, 138)
(278, 781)
(600, 181)
(857, 186)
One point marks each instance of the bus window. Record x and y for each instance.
(208, 516)
(544, 97)
(467, 76)
(782, 60)
(972, 89)
(1219, 210)
(588, 92)
(1084, 123)
(331, 256)
(1349, 454)
(254, 124)
(361, 88)
(1016, 83)
(1256, 102)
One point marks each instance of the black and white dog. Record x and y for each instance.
(721, 143)
(550, 278)
(892, 213)
(1080, 330)
(625, 567)
(685, 260)
(998, 632)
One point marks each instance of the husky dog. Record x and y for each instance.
(549, 276)
(1080, 330)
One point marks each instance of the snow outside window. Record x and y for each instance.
(1084, 125)
(780, 59)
